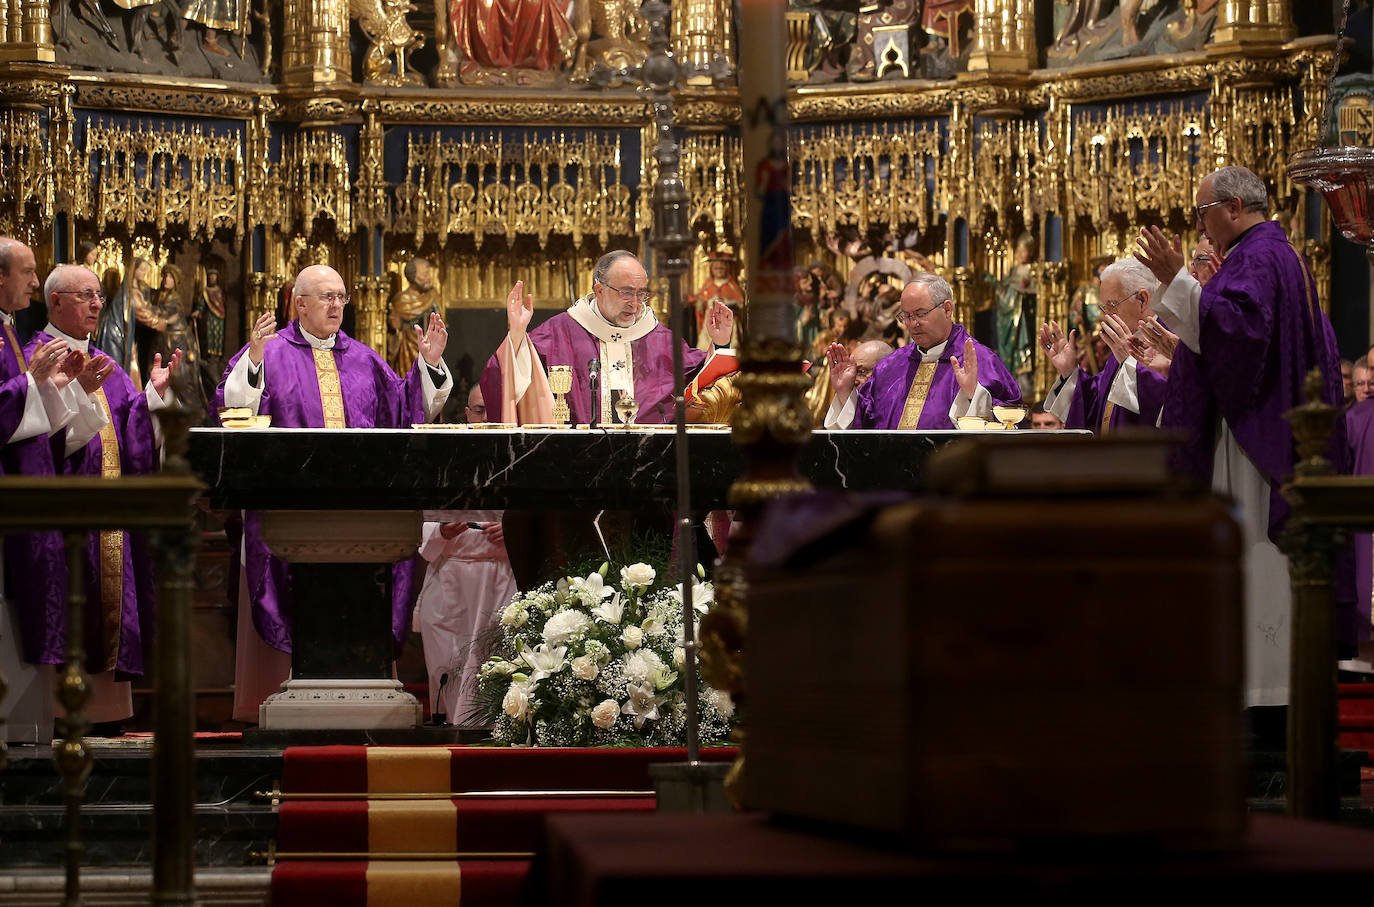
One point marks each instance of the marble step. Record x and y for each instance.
(224, 775)
(126, 886)
(121, 835)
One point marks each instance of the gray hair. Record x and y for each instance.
(603, 264)
(1133, 274)
(1241, 183)
(935, 285)
(58, 279)
(8, 246)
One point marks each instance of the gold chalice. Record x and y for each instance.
(627, 407)
(971, 423)
(560, 382)
(1009, 416)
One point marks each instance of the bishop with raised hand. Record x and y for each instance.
(925, 384)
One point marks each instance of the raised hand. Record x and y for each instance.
(519, 311)
(160, 376)
(47, 360)
(1161, 256)
(432, 340)
(967, 374)
(95, 371)
(1062, 351)
(844, 374)
(1163, 339)
(264, 329)
(1115, 333)
(720, 323)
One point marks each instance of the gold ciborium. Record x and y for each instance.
(560, 382)
(1009, 416)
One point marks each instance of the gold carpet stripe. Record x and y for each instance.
(408, 884)
(408, 769)
(412, 826)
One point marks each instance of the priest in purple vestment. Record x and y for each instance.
(1359, 432)
(924, 385)
(122, 440)
(611, 341)
(1248, 338)
(311, 374)
(1125, 392)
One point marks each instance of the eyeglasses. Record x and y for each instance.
(1198, 209)
(911, 317)
(328, 298)
(83, 295)
(1113, 306)
(630, 294)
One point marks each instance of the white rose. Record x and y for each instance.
(500, 668)
(633, 637)
(605, 714)
(584, 668)
(516, 702)
(679, 658)
(636, 576)
(515, 615)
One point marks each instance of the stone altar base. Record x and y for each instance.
(342, 646)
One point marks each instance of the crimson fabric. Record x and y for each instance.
(324, 769)
(343, 769)
(1356, 716)
(343, 883)
(745, 859)
(332, 826)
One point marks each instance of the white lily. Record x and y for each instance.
(612, 611)
(642, 704)
(594, 587)
(545, 660)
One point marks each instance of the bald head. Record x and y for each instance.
(866, 356)
(319, 297)
(18, 274)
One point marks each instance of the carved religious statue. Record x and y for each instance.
(384, 24)
(115, 334)
(215, 16)
(170, 330)
(620, 35)
(409, 309)
(1016, 311)
(501, 40)
(721, 283)
(208, 313)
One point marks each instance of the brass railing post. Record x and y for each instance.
(72, 756)
(174, 775)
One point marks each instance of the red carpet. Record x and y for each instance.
(436, 825)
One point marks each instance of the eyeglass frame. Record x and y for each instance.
(1114, 306)
(905, 317)
(1198, 209)
(79, 294)
(641, 296)
(329, 298)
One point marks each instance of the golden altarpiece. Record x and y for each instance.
(369, 132)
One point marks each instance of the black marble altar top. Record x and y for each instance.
(403, 469)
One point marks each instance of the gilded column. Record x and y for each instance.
(1267, 21)
(27, 32)
(701, 32)
(315, 35)
(1004, 36)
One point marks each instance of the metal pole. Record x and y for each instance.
(174, 769)
(673, 240)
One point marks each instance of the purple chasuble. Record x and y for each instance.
(14, 392)
(121, 642)
(1359, 429)
(882, 398)
(1261, 330)
(1090, 398)
(373, 397)
(562, 341)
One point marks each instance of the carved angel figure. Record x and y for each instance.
(384, 24)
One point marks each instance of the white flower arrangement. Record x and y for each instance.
(581, 663)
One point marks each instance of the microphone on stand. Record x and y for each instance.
(594, 376)
(436, 708)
